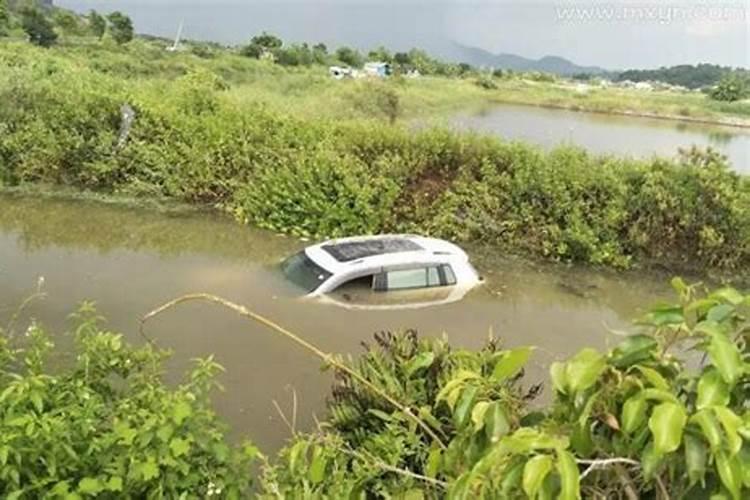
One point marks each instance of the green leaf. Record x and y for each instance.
(632, 350)
(679, 286)
(665, 315)
(459, 489)
(584, 369)
(148, 470)
(729, 295)
(654, 378)
(696, 456)
(125, 432)
(90, 486)
(419, 362)
(496, 422)
(413, 494)
(478, 413)
(719, 313)
(179, 447)
(434, 460)
(534, 473)
(731, 423)
(317, 471)
(667, 423)
(650, 461)
(181, 411)
(633, 414)
(511, 478)
(659, 395)
(114, 483)
(730, 473)
(36, 400)
(455, 383)
(569, 476)
(511, 363)
(464, 405)
(296, 455)
(706, 420)
(712, 390)
(725, 356)
(559, 379)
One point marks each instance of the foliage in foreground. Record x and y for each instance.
(61, 124)
(662, 415)
(104, 425)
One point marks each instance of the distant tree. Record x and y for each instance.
(262, 44)
(464, 68)
(381, 54)
(97, 24)
(4, 17)
(295, 55)
(349, 56)
(402, 59)
(121, 27)
(686, 75)
(320, 53)
(68, 22)
(267, 41)
(731, 88)
(37, 27)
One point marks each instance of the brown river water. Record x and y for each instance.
(131, 260)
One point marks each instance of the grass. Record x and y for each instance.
(310, 93)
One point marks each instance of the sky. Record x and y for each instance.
(612, 34)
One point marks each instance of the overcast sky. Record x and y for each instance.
(613, 34)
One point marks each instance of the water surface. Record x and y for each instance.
(604, 133)
(131, 260)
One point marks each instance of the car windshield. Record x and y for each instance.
(303, 272)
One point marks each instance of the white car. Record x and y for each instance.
(416, 271)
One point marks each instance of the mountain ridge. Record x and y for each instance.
(476, 56)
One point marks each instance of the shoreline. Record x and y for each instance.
(739, 123)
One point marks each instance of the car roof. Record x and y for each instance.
(341, 255)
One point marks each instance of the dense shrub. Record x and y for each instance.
(62, 124)
(641, 421)
(104, 425)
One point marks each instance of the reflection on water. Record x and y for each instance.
(130, 261)
(603, 133)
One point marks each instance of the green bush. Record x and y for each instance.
(645, 420)
(61, 125)
(104, 425)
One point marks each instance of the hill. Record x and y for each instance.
(548, 64)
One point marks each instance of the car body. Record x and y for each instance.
(416, 271)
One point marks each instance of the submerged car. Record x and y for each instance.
(385, 271)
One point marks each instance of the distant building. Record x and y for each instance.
(339, 72)
(377, 69)
(645, 86)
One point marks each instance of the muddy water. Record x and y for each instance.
(130, 261)
(610, 134)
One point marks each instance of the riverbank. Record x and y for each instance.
(667, 105)
(194, 141)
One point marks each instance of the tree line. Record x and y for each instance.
(270, 46)
(43, 26)
(686, 75)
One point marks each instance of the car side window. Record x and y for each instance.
(419, 277)
(448, 274)
(407, 278)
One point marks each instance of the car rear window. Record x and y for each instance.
(303, 272)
